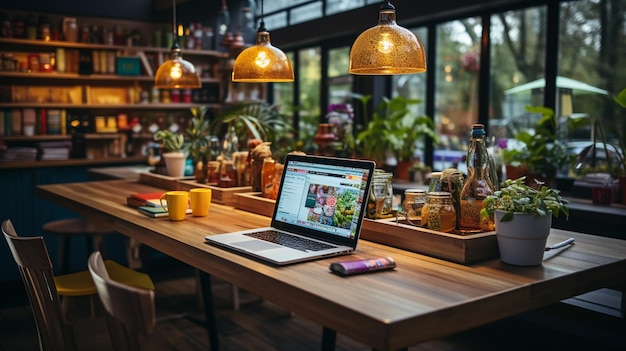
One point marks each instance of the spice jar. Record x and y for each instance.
(414, 201)
(267, 177)
(438, 213)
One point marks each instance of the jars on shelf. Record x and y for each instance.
(414, 201)
(438, 213)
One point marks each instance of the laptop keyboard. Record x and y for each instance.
(294, 242)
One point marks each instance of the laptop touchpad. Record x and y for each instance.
(256, 245)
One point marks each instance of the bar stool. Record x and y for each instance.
(66, 228)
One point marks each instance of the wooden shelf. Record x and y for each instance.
(25, 43)
(72, 162)
(86, 77)
(159, 106)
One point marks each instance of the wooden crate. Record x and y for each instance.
(161, 181)
(463, 249)
(223, 196)
(255, 203)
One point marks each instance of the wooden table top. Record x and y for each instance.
(424, 298)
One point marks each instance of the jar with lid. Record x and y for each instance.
(414, 201)
(438, 213)
(434, 183)
(381, 195)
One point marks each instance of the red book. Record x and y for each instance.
(144, 199)
(43, 121)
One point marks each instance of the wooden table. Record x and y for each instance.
(423, 299)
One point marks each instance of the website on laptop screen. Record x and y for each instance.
(324, 197)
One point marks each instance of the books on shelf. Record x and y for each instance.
(9, 154)
(54, 150)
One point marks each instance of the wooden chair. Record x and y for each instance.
(44, 290)
(130, 311)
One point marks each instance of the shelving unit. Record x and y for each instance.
(98, 94)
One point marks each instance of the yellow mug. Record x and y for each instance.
(200, 201)
(177, 204)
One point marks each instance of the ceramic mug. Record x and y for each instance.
(177, 204)
(200, 199)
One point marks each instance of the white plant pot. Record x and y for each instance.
(175, 164)
(522, 240)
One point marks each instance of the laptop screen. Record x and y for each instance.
(323, 197)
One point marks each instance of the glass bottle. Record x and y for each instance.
(438, 213)
(230, 143)
(478, 184)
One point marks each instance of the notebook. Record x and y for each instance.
(321, 202)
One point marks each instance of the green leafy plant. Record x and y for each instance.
(517, 197)
(393, 128)
(542, 154)
(255, 120)
(171, 142)
(198, 135)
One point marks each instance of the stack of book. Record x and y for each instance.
(145, 199)
(149, 204)
(55, 150)
(18, 154)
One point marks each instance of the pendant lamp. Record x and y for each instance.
(387, 48)
(176, 73)
(262, 62)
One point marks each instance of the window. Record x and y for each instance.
(339, 81)
(456, 72)
(518, 49)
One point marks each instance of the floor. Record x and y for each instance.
(261, 325)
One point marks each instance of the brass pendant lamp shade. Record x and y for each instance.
(387, 48)
(262, 62)
(176, 73)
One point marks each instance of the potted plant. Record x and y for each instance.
(173, 153)
(540, 155)
(523, 216)
(199, 142)
(393, 132)
(251, 120)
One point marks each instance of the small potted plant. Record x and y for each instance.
(523, 216)
(173, 151)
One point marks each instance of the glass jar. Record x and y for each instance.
(438, 213)
(414, 201)
(434, 183)
(380, 202)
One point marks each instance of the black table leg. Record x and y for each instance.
(329, 337)
(209, 310)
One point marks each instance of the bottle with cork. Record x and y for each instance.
(478, 184)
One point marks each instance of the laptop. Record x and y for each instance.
(318, 213)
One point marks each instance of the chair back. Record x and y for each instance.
(130, 311)
(33, 261)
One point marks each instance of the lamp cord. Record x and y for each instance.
(262, 24)
(174, 18)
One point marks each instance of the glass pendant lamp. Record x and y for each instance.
(176, 73)
(262, 62)
(387, 48)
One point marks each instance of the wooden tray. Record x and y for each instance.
(161, 181)
(463, 249)
(223, 196)
(255, 203)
